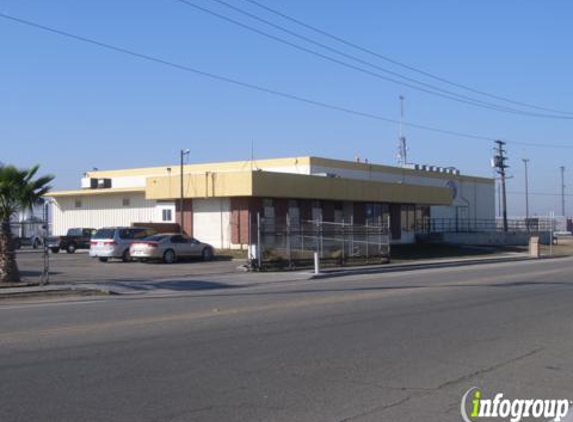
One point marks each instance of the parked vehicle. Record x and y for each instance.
(34, 241)
(169, 247)
(76, 238)
(114, 242)
(27, 230)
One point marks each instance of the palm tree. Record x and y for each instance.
(17, 191)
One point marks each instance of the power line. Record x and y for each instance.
(400, 64)
(359, 60)
(263, 89)
(432, 90)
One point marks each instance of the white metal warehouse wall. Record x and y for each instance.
(104, 210)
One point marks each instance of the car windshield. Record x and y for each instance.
(104, 234)
(74, 232)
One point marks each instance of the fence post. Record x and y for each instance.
(367, 242)
(320, 237)
(388, 236)
(288, 239)
(380, 237)
(352, 235)
(316, 263)
(343, 243)
(552, 219)
(302, 239)
(46, 272)
(259, 258)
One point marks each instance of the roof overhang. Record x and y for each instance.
(287, 185)
(92, 192)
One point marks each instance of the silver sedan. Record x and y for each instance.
(169, 247)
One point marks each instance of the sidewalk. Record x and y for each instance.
(424, 264)
(241, 279)
(53, 290)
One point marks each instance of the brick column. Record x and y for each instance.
(187, 215)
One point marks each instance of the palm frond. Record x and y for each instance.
(18, 190)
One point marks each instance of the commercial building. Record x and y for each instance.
(221, 199)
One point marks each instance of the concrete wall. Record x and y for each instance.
(473, 200)
(211, 221)
(103, 210)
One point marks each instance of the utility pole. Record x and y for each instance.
(182, 154)
(525, 163)
(499, 163)
(562, 190)
(402, 148)
(499, 198)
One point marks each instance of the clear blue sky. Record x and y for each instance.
(70, 106)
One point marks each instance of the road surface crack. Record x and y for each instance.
(377, 409)
(488, 369)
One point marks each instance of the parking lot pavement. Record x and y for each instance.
(80, 268)
(144, 278)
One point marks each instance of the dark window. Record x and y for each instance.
(408, 217)
(376, 213)
(74, 232)
(268, 208)
(316, 211)
(104, 234)
(294, 212)
(125, 234)
(156, 237)
(166, 215)
(177, 239)
(126, 202)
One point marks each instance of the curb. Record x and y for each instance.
(430, 265)
(64, 291)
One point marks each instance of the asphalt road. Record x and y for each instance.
(392, 347)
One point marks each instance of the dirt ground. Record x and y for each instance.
(564, 246)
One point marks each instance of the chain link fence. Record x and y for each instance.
(474, 225)
(282, 243)
(31, 250)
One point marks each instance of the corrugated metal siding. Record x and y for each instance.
(211, 218)
(101, 211)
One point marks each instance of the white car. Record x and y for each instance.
(114, 242)
(169, 247)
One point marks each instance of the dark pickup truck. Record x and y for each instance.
(77, 238)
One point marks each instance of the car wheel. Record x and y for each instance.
(207, 254)
(55, 250)
(126, 257)
(169, 256)
(71, 248)
(102, 259)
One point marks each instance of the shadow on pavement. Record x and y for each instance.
(176, 285)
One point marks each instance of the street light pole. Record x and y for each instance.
(183, 153)
(525, 163)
